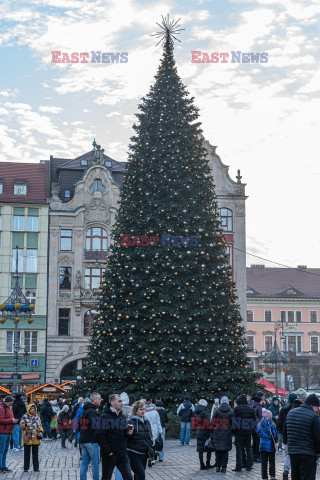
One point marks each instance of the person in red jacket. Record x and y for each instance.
(7, 422)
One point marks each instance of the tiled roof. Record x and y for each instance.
(283, 282)
(69, 171)
(36, 176)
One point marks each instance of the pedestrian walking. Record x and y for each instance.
(280, 425)
(90, 448)
(275, 410)
(64, 424)
(301, 433)
(185, 412)
(222, 433)
(76, 406)
(202, 419)
(46, 413)
(268, 439)
(257, 400)
(112, 439)
(32, 434)
(7, 422)
(140, 442)
(163, 420)
(18, 409)
(245, 425)
(154, 419)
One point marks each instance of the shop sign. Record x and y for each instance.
(5, 375)
(30, 376)
(49, 389)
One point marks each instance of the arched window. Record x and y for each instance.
(69, 371)
(96, 240)
(88, 320)
(97, 186)
(226, 219)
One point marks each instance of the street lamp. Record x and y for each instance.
(17, 308)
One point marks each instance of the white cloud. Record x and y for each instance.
(50, 109)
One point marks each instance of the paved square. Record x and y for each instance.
(181, 463)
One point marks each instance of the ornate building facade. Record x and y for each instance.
(83, 205)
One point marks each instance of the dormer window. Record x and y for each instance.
(20, 188)
(1, 188)
(107, 163)
(67, 193)
(84, 162)
(97, 186)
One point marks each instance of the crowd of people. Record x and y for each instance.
(127, 435)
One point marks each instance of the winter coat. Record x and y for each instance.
(202, 418)
(6, 419)
(222, 424)
(35, 430)
(275, 410)
(263, 431)
(88, 423)
(18, 408)
(163, 416)
(153, 416)
(141, 440)
(185, 411)
(301, 431)
(76, 422)
(257, 410)
(64, 420)
(282, 416)
(46, 411)
(55, 407)
(244, 422)
(112, 436)
(74, 410)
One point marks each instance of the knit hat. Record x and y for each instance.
(86, 400)
(159, 403)
(224, 400)
(292, 397)
(125, 398)
(259, 394)
(312, 400)
(242, 400)
(186, 397)
(8, 399)
(203, 402)
(266, 414)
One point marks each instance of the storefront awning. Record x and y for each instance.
(272, 388)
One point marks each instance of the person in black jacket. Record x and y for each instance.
(301, 434)
(185, 412)
(280, 424)
(89, 447)
(140, 442)
(64, 424)
(19, 409)
(202, 420)
(163, 420)
(46, 413)
(244, 424)
(112, 437)
(222, 433)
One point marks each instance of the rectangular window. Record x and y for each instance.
(20, 189)
(1, 188)
(314, 344)
(313, 316)
(268, 343)
(249, 315)
(64, 321)
(33, 224)
(32, 260)
(268, 316)
(299, 345)
(93, 278)
(292, 343)
(10, 341)
(30, 294)
(20, 259)
(290, 316)
(229, 253)
(250, 343)
(282, 316)
(298, 317)
(65, 278)
(31, 341)
(18, 223)
(66, 240)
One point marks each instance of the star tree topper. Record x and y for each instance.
(169, 29)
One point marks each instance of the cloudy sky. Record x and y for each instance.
(264, 118)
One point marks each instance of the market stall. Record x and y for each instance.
(47, 390)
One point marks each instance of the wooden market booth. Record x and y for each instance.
(67, 386)
(4, 392)
(47, 390)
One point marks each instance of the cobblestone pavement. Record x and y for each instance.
(180, 463)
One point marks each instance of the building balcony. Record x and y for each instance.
(96, 255)
(288, 354)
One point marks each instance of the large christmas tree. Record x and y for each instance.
(169, 321)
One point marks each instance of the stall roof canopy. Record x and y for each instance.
(50, 385)
(66, 383)
(5, 390)
(272, 388)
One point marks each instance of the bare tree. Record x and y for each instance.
(309, 370)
